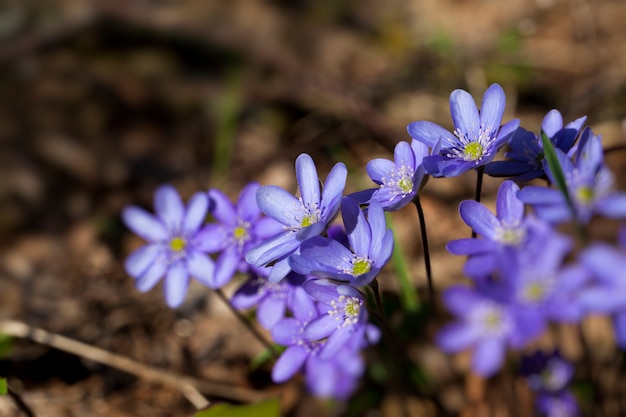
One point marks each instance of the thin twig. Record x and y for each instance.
(429, 275)
(271, 348)
(19, 402)
(190, 387)
(479, 187)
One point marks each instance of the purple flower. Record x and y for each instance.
(302, 217)
(239, 227)
(326, 376)
(607, 264)
(526, 155)
(174, 250)
(289, 332)
(272, 299)
(477, 135)
(371, 245)
(398, 181)
(487, 324)
(541, 284)
(562, 404)
(590, 185)
(547, 372)
(344, 320)
(501, 234)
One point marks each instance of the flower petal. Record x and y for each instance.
(456, 337)
(144, 224)
(289, 363)
(488, 357)
(464, 113)
(470, 246)
(379, 169)
(357, 228)
(279, 205)
(479, 218)
(202, 268)
(270, 312)
(149, 279)
(509, 209)
(196, 212)
(140, 260)
(308, 181)
(176, 283)
(430, 133)
(211, 238)
(333, 191)
(169, 207)
(225, 267)
(223, 209)
(492, 108)
(247, 208)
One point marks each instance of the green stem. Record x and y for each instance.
(479, 187)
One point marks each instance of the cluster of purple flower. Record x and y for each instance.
(549, 376)
(306, 276)
(517, 262)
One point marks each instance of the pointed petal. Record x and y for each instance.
(270, 312)
(488, 357)
(225, 267)
(287, 331)
(456, 337)
(303, 308)
(403, 155)
(420, 150)
(202, 268)
(379, 169)
(308, 181)
(169, 207)
(430, 133)
(492, 108)
(196, 212)
(272, 248)
(279, 205)
(378, 226)
(470, 246)
(464, 113)
(612, 206)
(176, 283)
(144, 224)
(357, 228)
(140, 260)
(223, 209)
(211, 238)
(247, 207)
(151, 276)
(479, 218)
(279, 271)
(249, 294)
(289, 363)
(459, 299)
(333, 191)
(321, 327)
(552, 123)
(509, 208)
(533, 194)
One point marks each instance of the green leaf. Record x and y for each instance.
(3, 386)
(264, 357)
(407, 291)
(557, 172)
(269, 408)
(6, 343)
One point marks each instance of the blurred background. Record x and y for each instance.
(101, 101)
